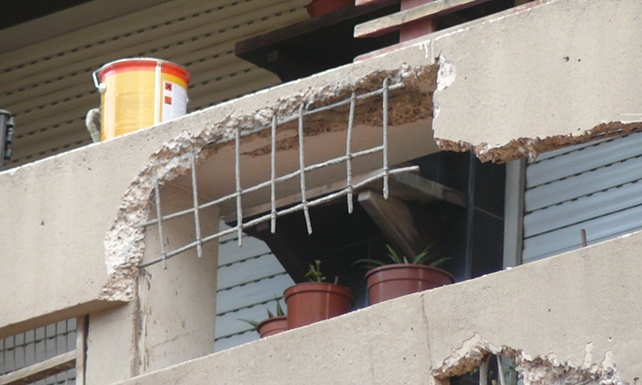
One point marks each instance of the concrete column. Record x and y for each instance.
(172, 318)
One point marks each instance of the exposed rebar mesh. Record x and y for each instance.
(304, 205)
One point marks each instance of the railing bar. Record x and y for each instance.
(261, 185)
(273, 178)
(197, 219)
(313, 167)
(239, 191)
(190, 245)
(35, 356)
(330, 197)
(24, 348)
(283, 178)
(66, 332)
(384, 122)
(292, 209)
(168, 217)
(306, 213)
(353, 99)
(160, 221)
(483, 373)
(500, 371)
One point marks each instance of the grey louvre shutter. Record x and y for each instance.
(48, 87)
(248, 279)
(593, 186)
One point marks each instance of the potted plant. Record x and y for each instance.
(316, 300)
(271, 325)
(386, 280)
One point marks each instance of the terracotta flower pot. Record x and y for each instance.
(392, 281)
(321, 7)
(310, 302)
(271, 326)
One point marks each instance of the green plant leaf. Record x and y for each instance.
(279, 309)
(394, 255)
(314, 274)
(368, 263)
(438, 261)
(254, 324)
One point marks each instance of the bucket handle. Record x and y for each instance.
(100, 86)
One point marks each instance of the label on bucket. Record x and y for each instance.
(139, 93)
(174, 101)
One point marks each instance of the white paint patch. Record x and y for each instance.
(427, 47)
(446, 74)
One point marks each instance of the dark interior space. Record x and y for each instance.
(326, 42)
(471, 237)
(16, 12)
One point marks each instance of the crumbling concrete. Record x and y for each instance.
(532, 370)
(124, 244)
(531, 147)
(554, 317)
(551, 73)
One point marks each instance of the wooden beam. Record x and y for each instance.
(296, 198)
(410, 186)
(383, 25)
(41, 370)
(395, 220)
(406, 186)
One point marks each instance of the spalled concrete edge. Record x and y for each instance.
(124, 242)
(538, 370)
(481, 67)
(531, 147)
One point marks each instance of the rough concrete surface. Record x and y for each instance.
(549, 73)
(82, 252)
(124, 243)
(567, 319)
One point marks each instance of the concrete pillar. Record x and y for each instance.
(172, 318)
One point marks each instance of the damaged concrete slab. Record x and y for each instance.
(554, 317)
(103, 192)
(538, 77)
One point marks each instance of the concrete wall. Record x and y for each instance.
(70, 228)
(574, 316)
(549, 73)
(541, 76)
(171, 318)
(504, 88)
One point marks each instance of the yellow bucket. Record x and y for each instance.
(139, 93)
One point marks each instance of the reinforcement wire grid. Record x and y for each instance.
(304, 205)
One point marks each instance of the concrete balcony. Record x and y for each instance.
(572, 318)
(525, 81)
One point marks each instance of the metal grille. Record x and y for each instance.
(383, 173)
(38, 345)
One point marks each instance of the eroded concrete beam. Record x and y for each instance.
(538, 77)
(124, 244)
(532, 370)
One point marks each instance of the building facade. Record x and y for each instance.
(118, 258)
